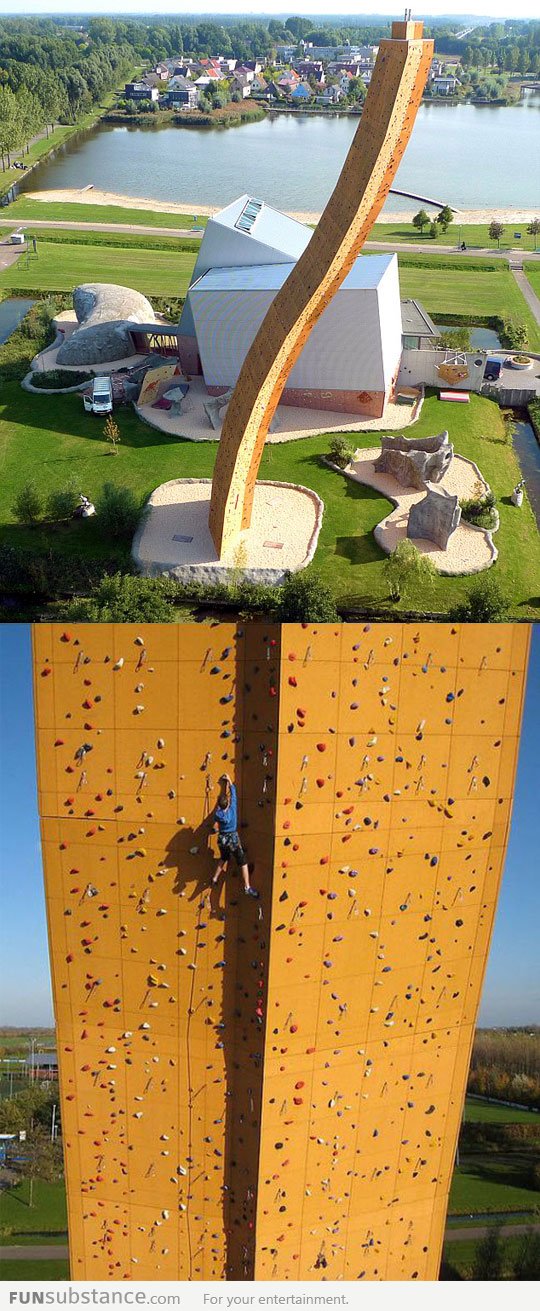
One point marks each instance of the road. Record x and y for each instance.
(147, 231)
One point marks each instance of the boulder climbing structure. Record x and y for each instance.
(387, 120)
(270, 1089)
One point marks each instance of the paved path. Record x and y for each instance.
(526, 290)
(53, 1252)
(8, 255)
(145, 230)
(472, 1233)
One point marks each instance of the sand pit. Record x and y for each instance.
(470, 549)
(174, 537)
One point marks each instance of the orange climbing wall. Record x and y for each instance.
(273, 1089)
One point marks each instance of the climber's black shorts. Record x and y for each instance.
(230, 845)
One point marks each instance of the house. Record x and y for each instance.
(419, 331)
(285, 53)
(182, 70)
(350, 360)
(301, 92)
(309, 67)
(288, 80)
(274, 92)
(241, 85)
(182, 93)
(208, 78)
(330, 96)
(140, 91)
(254, 66)
(243, 70)
(445, 86)
(259, 86)
(162, 72)
(345, 80)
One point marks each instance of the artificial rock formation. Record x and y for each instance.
(434, 518)
(415, 462)
(388, 115)
(270, 1089)
(105, 313)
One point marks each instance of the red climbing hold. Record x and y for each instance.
(321, 746)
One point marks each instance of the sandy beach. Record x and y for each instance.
(93, 196)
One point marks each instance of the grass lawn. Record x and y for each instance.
(490, 1113)
(24, 208)
(47, 1215)
(533, 274)
(475, 235)
(453, 291)
(49, 439)
(60, 267)
(461, 1255)
(40, 1271)
(492, 1183)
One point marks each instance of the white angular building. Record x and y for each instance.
(351, 359)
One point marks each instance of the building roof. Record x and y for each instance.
(365, 275)
(416, 322)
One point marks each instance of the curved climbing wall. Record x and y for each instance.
(388, 115)
(270, 1089)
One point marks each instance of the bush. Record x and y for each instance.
(62, 502)
(48, 575)
(513, 334)
(51, 379)
(304, 597)
(480, 511)
(124, 599)
(28, 508)
(118, 511)
(341, 452)
(485, 604)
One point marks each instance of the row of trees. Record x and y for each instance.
(45, 79)
(506, 1065)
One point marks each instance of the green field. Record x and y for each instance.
(477, 1112)
(475, 235)
(48, 439)
(444, 291)
(40, 1271)
(47, 1216)
(461, 1255)
(492, 1183)
(61, 266)
(24, 208)
(533, 274)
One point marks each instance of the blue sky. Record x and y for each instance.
(512, 988)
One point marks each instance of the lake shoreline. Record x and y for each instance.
(91, 195)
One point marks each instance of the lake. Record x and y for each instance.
(471, 156)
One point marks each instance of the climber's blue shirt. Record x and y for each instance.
(227, 817)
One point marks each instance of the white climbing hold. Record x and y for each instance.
(119, 663)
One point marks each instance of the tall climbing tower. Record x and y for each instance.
(270, 1089)
(384, 129)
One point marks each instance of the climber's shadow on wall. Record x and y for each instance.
(191, 857)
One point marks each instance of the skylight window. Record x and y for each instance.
(249, 215)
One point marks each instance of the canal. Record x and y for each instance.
(527, 450)
(12, 311)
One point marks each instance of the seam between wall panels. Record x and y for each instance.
(277, 637)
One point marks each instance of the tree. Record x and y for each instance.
(527, 1262)
(485, 604)
(496, 231)
(62, 503)
(533, 229)
(9, 127)
(488, 1257)
(124, 599)
(445, 217)
(30, 115)
(408, 571)
(433, 230)
(304, 598)
(299, 27)
(421, 220)
(111, 433)
(118, 511)
(458, 339)
(43, 1160)
(28, 507)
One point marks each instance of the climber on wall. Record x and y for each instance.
(226, 818)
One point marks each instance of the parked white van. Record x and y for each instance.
(101, 400)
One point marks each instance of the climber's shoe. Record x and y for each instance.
(251, 892)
